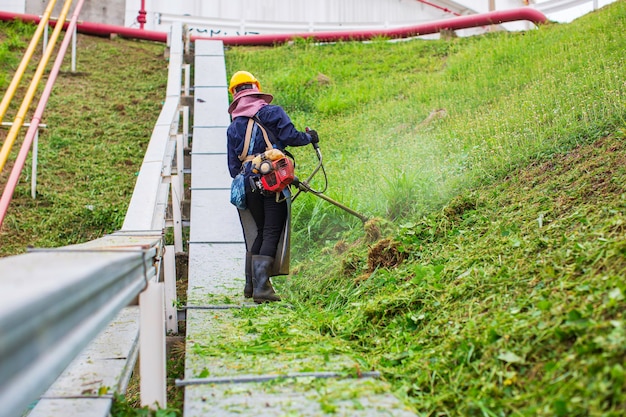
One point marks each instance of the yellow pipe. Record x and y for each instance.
(8, 96)
(28, 98)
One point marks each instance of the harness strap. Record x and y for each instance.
(246, 143)
(244, 157)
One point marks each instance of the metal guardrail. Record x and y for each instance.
(53, 302)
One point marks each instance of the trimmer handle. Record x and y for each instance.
(315, 145)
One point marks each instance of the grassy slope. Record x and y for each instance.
(511, 300)
(406, 126)
(500, 289)
(99, 124)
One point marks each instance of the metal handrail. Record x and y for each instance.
(52, 304)
(148, 203)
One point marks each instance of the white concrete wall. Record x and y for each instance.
(301, 11)
(13, 6)
(231, 17)
(104, 11)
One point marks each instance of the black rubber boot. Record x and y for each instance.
(247, 290)
(263, 290)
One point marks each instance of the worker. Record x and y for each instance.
(270, 211)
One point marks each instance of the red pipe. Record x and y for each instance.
(97, 29)
(462, 22)
(141, 18)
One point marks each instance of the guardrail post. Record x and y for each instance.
(185, 126)
(185, 109)
(35, 151)
(152, 347)
(177, 220)
(45, 38)
(177, 183)
(74, 50)
(171, 309)
(33, 177)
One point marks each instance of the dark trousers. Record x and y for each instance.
(270, 217)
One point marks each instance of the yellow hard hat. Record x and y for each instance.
(242, 77)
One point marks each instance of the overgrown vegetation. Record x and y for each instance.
(507, 301)
(491, 278)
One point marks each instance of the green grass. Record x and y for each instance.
(99, 121)
(406, 126)
(14, 36)
(509, 300)
(498, 286)
(491, 280)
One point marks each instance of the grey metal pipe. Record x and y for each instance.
(264, 378)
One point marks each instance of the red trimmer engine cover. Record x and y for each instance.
(282, 175)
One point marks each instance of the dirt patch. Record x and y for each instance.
(320, 79)
(384, 254)
(587, 173)
(434, 115)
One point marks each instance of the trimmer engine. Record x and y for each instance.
(277, 174)
(277, 170)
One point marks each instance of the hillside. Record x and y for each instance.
(491, 278)
(99, 121)
(497, 288)
(507, 301)
(406, 126)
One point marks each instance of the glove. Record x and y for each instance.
(314, 137)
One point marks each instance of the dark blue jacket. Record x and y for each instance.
(279, 128)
